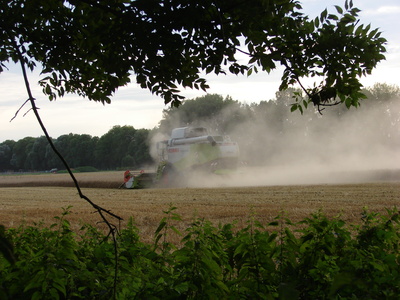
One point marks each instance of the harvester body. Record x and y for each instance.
(190, 149)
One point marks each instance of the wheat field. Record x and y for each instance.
(29, 199)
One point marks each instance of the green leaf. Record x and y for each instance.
(359, 30)
(272, 237)
(377, 266)
(339, 9)
(211, 264)
(59, 284)
(53, 293)
(182, 287)
(48, 89)
(176, 230)
(37, 296)
(6, 247)
(241, 249)
(333, 17)
(161, 226)
(323, 15)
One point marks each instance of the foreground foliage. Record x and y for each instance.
(317, 258)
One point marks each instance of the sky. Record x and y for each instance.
(137, 107)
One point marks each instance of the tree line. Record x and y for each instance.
(262, 130)
(121, 146)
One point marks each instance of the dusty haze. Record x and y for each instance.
(340, 146)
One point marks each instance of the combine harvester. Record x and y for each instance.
(190, 149)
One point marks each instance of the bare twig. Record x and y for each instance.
(27, 112)
(16, 113)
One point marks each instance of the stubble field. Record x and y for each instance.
(25, 199)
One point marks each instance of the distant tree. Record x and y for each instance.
(36, 159)
(87, 149)
(127, 161)
(21, 150)
(53, 161)
(139, 149)
(82, 150)
(64, 144)
(113, 146)
(78, 149)
(92, 47)
(6, 150)
(383, 93)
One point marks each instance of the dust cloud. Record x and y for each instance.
(340, 146)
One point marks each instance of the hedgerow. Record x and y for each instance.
(317, 258)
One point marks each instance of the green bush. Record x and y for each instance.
(317, 258)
